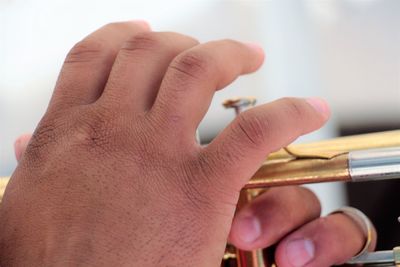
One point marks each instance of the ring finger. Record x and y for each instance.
(327, 241)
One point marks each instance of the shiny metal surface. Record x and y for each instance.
(326, 161)
(379, 257)
(300, 171)
(374, 164)
(396, 253)
(330, 148)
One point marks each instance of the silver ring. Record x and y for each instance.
(365, 224)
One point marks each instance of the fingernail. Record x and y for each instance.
(249, 229)
(319, 105)
(300, 252)
(258, 48)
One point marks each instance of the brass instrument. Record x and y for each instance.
(356, 158)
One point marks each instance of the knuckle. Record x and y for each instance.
(192, 65)
(252, 128)
(45, 137)
(86, 51)
(147, 41)
(93, 130)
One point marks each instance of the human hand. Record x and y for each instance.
(113, 174)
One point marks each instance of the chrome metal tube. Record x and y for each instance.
(376, 258)
(374, 164)
(386, 258)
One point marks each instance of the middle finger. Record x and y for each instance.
(140, 66)
(192, 78)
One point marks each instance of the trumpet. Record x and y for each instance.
(358, 158)
(346, 159)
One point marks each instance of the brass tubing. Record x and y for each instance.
(301, 171)
(323, 161)
(336, 146)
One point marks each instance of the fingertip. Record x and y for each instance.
(320, 105)
(320, 242)
(295, 253)
(258, 49)
(245, 230)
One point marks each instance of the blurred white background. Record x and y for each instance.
(346, 51)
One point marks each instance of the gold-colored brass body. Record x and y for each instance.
(317, 162)
(301, 171)
(330, 148)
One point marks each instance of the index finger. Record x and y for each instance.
(242, 146)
